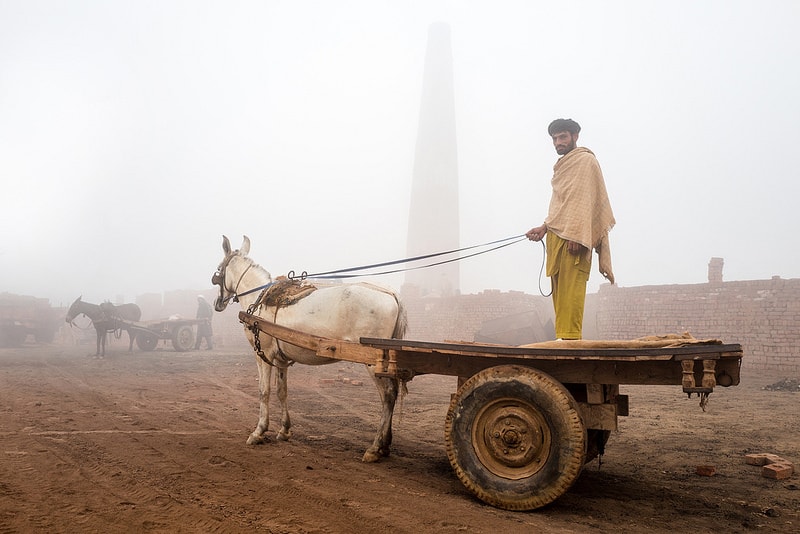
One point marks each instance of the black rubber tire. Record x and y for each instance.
(183, 338)
(145, 341)
(515, 437)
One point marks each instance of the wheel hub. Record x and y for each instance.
(512, 439)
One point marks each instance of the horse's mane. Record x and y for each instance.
(254, 264)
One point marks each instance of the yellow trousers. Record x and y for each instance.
(568, 274)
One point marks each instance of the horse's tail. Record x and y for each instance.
(401, 324)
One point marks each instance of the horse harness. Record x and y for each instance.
(279, 294)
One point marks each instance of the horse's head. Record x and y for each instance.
(225, 277)
(74, 310)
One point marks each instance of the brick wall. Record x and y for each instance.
(762, 315)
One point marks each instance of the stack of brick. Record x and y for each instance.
(772, 465)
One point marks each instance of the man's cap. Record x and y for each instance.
(563, 125)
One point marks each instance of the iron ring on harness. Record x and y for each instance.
(291, 276)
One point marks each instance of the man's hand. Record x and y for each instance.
(575, 248)
(536, 234)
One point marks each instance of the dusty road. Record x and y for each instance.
(155, 442)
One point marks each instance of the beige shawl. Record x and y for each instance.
(648, 342)
(579, 207)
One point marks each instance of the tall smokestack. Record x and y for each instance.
(715, 270)
(433, 224)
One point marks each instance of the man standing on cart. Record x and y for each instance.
(204, 330)
(578, 220)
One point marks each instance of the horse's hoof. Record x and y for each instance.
(281, 436)
(372, 456)
(255, 440)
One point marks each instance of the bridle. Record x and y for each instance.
(218, 278)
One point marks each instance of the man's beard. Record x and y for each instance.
(563, 149)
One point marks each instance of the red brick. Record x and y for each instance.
(706, 470)
(777, 471)
(762, 458)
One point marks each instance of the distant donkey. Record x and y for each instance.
(106, 318)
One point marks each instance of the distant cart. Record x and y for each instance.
(22, 315)
(525, 420)
(181, 332)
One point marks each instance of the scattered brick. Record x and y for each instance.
(772, 465)
(777, 471)
(762, 458)
(706, 470)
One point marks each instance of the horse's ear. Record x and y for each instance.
(226, 245)
(245, 246)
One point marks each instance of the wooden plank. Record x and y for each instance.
(645, 372)
(478, 349)
(599, 416)
(594, 394)
(351, 352)
(322, 346)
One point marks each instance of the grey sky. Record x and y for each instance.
(134, 134)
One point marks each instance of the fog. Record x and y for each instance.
(133, 135)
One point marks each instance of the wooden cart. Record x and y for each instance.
(22, 315)
(181, 332)
(524, 420)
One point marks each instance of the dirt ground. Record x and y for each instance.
(155, 442)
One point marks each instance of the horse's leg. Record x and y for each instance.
(388, 388)
(131, 337)
(264, 385)
(284, 432)
(100, 340)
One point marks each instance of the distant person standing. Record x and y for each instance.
(578, 220)
(204, 311)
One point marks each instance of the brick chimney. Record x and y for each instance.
(715, 270)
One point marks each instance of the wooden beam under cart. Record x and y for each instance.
(335, 349)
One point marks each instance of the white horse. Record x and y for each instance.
(347, 312)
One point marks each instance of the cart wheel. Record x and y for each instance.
(183, 338)
(146, 341)
(515, 437)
